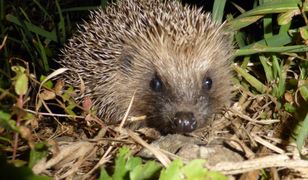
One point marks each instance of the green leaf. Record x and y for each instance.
(285, 18)
(104, 175)
(61, 24)
(240, 39)
(273, 41)
(267, 26)
(194, 169)
(172, 171)
(42, 50)
(48, 83)
(41, 8)
(303, 133)
(256, 13)
(21, 85)
(304, 32)
(145, 171)
(281, 83)
(69, 109)
(6, 122)
(39, 152)
(239, 23)
(252, 80)
(18, 70)
(289, 107)
(218, 10)
(129, 167)
(274, 7)
(133, 162)
(33, 28)
(215, 175)
(120, 163)
(267, 68)
(66, 95)
(277, 69)
(21, 80)
(284, 28)
(303, 89)
(263, 49)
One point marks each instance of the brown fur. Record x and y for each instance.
(120, 49)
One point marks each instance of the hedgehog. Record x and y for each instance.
(172, 58)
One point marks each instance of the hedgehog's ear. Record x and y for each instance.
(126, 62)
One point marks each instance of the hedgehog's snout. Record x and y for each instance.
(184, 122)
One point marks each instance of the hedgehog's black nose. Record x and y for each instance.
(184, 122)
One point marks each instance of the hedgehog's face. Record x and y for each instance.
(181, 106)
(183, 102)
(180, 80)
(179, 93)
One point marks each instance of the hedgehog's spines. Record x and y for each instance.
(119, 49)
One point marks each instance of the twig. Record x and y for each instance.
(101, 162)
(127, 111)
(263, 122)
(282, 160)
(158, 154)
(3, 42)
(267, 144)
(52, 114)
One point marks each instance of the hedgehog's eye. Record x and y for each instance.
(156, 84)
(207, 83)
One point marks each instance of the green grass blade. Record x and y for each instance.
(218, 10)
(303, 133)
(42, 52)
(245, 62)
(267, 27)
(25, 14)
(277, 69)
(41, 8)
(282, 82)
(252, 80)
(240, 39)
(29, 48)
(267, 68)
(303, 89)
(61, 23)
(264, 49)
(239, 8)
(284, 28)
(285, 18)
(274, 41)
(239, 23)
(258, 12)
(274, 7)
(33, 28)
(267, 22)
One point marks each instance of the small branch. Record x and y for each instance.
(282, 160)
(3, 42)
(19, 105)
(52, 114)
